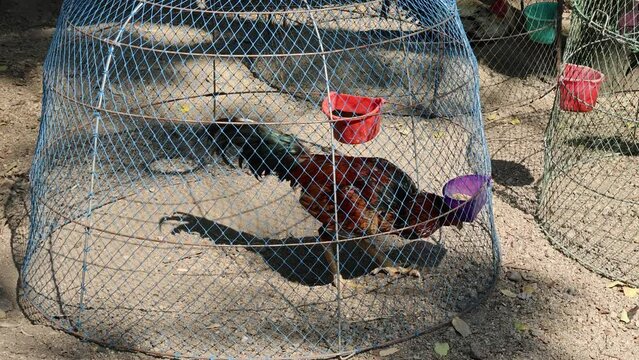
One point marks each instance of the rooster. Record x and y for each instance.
(355, 197)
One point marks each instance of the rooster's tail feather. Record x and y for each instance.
(264, 150)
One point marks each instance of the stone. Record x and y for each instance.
(514, 276)
(476, 352)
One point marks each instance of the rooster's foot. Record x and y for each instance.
(342, 284)
(398, 270)
(339, 283)
(186, 222)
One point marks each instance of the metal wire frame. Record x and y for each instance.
(69, 220)
(433, 28)
(305, 10)
(198, 121)
(56, 323)
(44, 207)
(589, 156)
(445, 39)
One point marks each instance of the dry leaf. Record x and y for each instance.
(439, 134)
(615, 283)
(388, 352)
(515, 121)
(441, 349)
(185, 108)
(630, 292)
(491, 117)
(461, 326)
(623, 316)
(520, 326)
(508, 293)
(630, 125)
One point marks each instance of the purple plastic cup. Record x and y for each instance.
(473, 186)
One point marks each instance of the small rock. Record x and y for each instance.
(476, 352)
(514, 276)
(472, 293)
(603, 311)
(524, 296)
(571, 291)
(527, 277)
(3, 315)
(537, 333)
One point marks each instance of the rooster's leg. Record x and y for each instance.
(329, 256)
(384, 264)
(380, 258)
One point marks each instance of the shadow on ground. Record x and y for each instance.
(614, 144)
(306, 264)
(510, 173)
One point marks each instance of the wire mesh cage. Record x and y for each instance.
(258, 178)
(590, 194)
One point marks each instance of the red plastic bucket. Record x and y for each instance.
(356, 119)
(579, 87)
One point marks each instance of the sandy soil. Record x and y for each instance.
(571, 313)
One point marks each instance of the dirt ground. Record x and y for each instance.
(571, 313)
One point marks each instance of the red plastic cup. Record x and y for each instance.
(579, 87)
(356, 119)
(499, 8)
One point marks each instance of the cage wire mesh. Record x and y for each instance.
(517, 45)
(159, 225)
(514, 42)
(590, 194)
